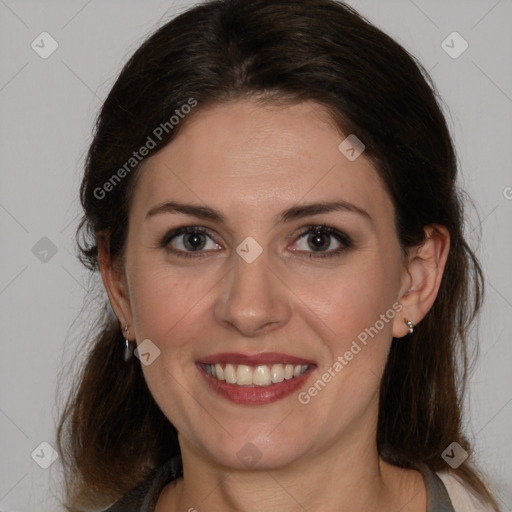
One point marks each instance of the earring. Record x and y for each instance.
(128, 346)
(410, 325)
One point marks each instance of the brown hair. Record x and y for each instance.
(112, 433)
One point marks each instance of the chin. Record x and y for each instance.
(244, 453)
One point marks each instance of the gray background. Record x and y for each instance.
(47, 111)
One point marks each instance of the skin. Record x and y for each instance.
(250, 162)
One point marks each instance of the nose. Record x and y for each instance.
(253, 300)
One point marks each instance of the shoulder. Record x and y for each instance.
(462, 498)
(144, 496)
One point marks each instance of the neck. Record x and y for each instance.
(349, 479)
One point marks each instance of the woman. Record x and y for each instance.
(271, 200)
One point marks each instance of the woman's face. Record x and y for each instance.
(249, 280)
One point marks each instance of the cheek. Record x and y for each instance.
(352, 298)
(355, 335)
(164, 299)
(168, 308)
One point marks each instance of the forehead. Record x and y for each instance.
(259, 158)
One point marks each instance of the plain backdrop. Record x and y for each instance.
(47, 111)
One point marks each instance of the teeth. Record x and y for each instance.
(229, 374)
(262, 375)
(219, 372)
(244, 375)
(277, 373)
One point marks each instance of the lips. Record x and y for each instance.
(255, 379)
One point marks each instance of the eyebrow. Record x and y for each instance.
(290, 214)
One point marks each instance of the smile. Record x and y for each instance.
(256, 379)
(261, 375)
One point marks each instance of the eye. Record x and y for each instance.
(322, 238)
(187, 240)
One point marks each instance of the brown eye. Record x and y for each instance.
(187, 240)
(322, 238)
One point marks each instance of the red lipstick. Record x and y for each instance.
(254, 395)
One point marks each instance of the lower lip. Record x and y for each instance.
(255, 395)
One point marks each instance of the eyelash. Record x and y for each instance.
(343, 238)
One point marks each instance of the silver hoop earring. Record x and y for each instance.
(410, 325)
(128, 349)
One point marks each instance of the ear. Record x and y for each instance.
(422, 278)
(114, 281)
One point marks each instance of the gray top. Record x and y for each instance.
(143, 497)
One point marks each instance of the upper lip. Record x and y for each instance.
(254, 359)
